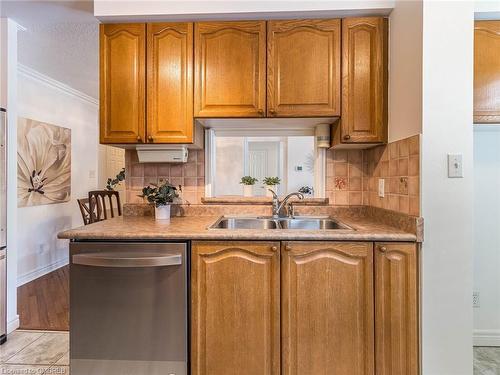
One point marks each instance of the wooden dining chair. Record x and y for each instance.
(84, 205)
(101, 202)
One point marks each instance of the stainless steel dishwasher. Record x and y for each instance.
(128, 308)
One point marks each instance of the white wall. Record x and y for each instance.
(298, 149)
(43, 99)
(446, 203)
(487, 234)
(8, 99)
(229, 165)
(184, 9)
(405, 70)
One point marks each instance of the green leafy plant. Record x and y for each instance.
(160, 195)
(306, 190)
(271, 181)
(248, 180)
(114, 182)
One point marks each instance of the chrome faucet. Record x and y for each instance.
(278, 206)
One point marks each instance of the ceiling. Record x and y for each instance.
(61, 40)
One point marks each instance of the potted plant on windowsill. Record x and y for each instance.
(162, 197)
(271, 183)
(248, 182)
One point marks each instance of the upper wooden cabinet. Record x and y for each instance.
(396, 308)
(170, 82)
(364, 81)
(327, 308)
(230, 69)
(487, 72)
(303, 68)
(235, 317)
(122, 83)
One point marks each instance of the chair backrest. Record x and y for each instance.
(84, 205)
(101, 202)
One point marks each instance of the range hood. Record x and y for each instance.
(162, 153)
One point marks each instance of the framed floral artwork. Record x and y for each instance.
(43, 163)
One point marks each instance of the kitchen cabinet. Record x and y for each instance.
(235, 318)
(304, 307)
(303, 68)
(230, 69)
(147, 84)
(487, 72)
(396, 308)
(364, 82)
(170, 82)
(327, 308)
(122, 83)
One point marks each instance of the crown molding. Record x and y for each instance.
(51, 82)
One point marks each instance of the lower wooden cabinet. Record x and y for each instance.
(235, 317)
(327, 308)
(396, 308)
(304, 308)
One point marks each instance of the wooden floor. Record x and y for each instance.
(43, 304)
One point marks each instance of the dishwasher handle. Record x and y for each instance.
(126, 260)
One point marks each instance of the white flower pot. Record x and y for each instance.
(268, 193)
(247, 190)
(162, 213)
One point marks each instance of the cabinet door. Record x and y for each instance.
(487, 72)
(303, 68)
(170, 83)
(230, 69)
(235, 314)
(327, 308)
(364, 80)
(122, 81)
(396, 309)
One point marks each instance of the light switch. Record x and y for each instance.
(455, 167)
(381, 187)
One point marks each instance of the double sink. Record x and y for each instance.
(268, 222)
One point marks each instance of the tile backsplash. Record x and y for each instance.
(190, 175)
(351, 176)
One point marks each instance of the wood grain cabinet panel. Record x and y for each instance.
(327, 308)
(122, 83)
(396, 309)
(170, 83)
(230, 69)
(487, 72)
(364, 80)
(303, 68)
(235, 308)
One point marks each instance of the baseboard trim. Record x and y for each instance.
(486, 337)
(30, 276)
(13, 324)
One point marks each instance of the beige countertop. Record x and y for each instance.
(195, 228)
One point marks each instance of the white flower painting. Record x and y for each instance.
(43, 163)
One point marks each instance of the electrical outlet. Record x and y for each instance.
(475, 299)
(381, 187)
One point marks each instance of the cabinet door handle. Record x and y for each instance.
(288, 248)
(139, 139)
(260, 112)
(382, 249)
(272, 112)
(274, 248)
(150, 138)
(347, 137)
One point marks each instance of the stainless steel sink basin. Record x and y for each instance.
(302, 222)
(311, 223)
(244, 223)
